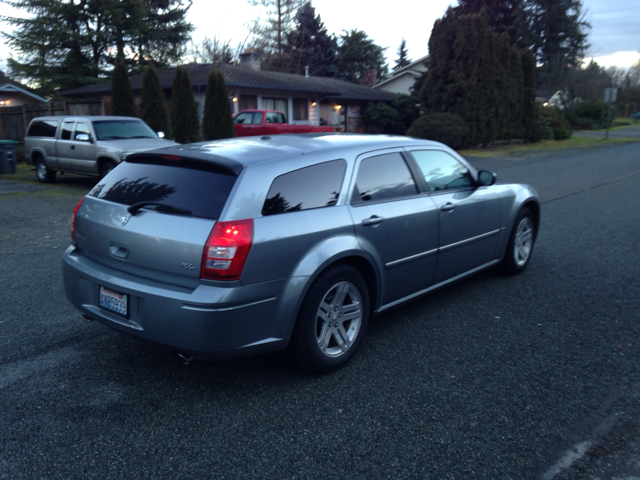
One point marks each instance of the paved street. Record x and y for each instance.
(528, 377)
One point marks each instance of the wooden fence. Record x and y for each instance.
(14, 120)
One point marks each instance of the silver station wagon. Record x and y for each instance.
(244, 246)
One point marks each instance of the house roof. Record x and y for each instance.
(414, 69)
(244, 77)
(11, 86)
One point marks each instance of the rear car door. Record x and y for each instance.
(395, 223)
(469, 215)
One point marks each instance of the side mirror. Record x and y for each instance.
(83, 137)
(486, 178)
(160, 134)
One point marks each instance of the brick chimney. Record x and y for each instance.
(250, 58)
(369, 77)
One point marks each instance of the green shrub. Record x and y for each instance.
(122, 101)
(559, 124)
(544, 126)
(447, 128)
(153, 104)
(217, 122)
(185, 122)
(394, 119)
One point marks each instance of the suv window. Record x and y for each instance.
(441, 171)
(190, 187)
(383, 177)
(310, 187)
(43, 128)
(81, 127)
(66, 131)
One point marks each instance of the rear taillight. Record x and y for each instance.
(73, 219)
(227, 250)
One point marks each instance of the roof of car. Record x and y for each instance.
(87, 117)
(236, 153)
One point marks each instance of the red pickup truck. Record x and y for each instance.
(269, 122)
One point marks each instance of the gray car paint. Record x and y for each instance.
(172, 306)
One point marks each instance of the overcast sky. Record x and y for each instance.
(614, 36)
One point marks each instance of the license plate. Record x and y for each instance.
(114, 301)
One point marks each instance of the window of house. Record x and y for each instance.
(300, 109)
(310, 187)
(248, 102)
(383, 177)
(280, 104)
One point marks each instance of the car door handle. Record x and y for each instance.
(447, 206)
(73, 147)
(372, 220)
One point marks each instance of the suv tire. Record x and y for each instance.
(332, 320)
(44, 174)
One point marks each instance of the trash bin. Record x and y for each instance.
(8, 156)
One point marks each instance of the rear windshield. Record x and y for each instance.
(203, 192)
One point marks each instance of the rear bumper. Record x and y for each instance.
(208, 322)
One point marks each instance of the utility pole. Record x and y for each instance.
(610, 95)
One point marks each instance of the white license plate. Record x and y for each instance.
(114, 301)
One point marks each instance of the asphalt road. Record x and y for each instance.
(534, 376)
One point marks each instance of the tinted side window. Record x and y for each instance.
(66, 131)
(203, 192)
(310, 187)
(43, 128)
(441, 171)
(383, 177)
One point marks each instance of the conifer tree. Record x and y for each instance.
(217, 121)
(122, 101)
(478, 75)
(403, 57)
(153, 104)
(185, 124)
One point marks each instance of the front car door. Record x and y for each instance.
(82, 155)
(469, 215)
(395, 223)
(248, 123)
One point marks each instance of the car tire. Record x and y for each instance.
(332, 320)
(106, 168)
(520, 245)
(43, 173)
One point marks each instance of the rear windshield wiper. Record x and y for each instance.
(160, 207)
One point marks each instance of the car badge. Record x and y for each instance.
(125, 219)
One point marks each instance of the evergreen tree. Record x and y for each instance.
(478, 75)
(309, 45)
(356, 54)
(62, 45)
(153, 104)
(185, 124)
(122, 101)
(403, 59)
(217, 122)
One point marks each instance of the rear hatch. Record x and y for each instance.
(152, 215)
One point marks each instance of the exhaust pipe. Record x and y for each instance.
(185, 359)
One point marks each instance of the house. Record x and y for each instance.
(305, 99)
(15, 94)
(403, 79)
